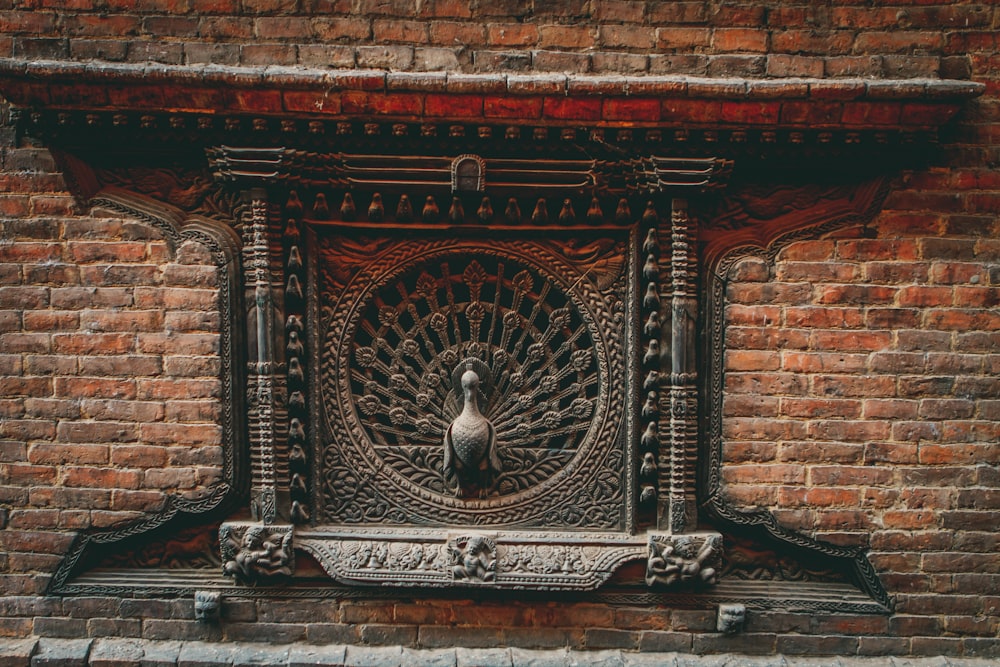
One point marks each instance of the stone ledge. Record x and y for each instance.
(332, 80)
(116, 652)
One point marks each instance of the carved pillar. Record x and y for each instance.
(678, 513)
(261, 369)
(259, 550)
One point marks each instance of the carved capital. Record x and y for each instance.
(255, 553)
(677, 560)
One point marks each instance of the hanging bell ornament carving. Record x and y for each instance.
(651, 246)
(456, 214)
(652, 298)
(649, 216)
(651, 270)
(513, 212)
(293, 289)
(376, 211)
(595, 215)
(485, 212)
(321, 210)
(623, 214)
(348, 211)
(293, 207)
(650, 437)
(567, 216)
(652, 325)
(648, 470)
(652, 354)
(404, 211)
(651, 408)
(540, 216)
(431, 212)
(294, 348)
(294, 258)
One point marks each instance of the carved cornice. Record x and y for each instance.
(263, 78)
(547, 99)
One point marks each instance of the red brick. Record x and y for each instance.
(101, 478)
(822, 362)
(690, 111)
(631, 109)
(628, 36)
(682, 38)
(409, 32)
(138, 456)
(93, 343)
(754, 113)
(399, 104)
(95, 388)
(267, 101)
(282, 27)
(311, 102)
(870, 113)
(511, 34)
(578, 109)
(740, 40)
(226, 27)
(512, 107)
(813, 42)
(448, 33)
(457, 106)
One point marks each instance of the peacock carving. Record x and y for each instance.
(485, 356)
(470, 443)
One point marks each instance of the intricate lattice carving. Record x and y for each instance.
(398, 333)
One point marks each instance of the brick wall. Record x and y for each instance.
(770, 38)
(109, 369)
(862, 397)
(862, 405)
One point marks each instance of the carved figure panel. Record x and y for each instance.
(473, 382)
(255, 553)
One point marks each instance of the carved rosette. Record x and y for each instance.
(254, 553)
(683, 560)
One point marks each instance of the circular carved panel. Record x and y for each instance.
(539, 340)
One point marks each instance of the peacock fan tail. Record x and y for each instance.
(521, 334)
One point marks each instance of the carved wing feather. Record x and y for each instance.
(493, 454)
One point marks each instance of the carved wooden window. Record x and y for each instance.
(485, 363)
(467, 390)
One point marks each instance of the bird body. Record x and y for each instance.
(470, 454)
